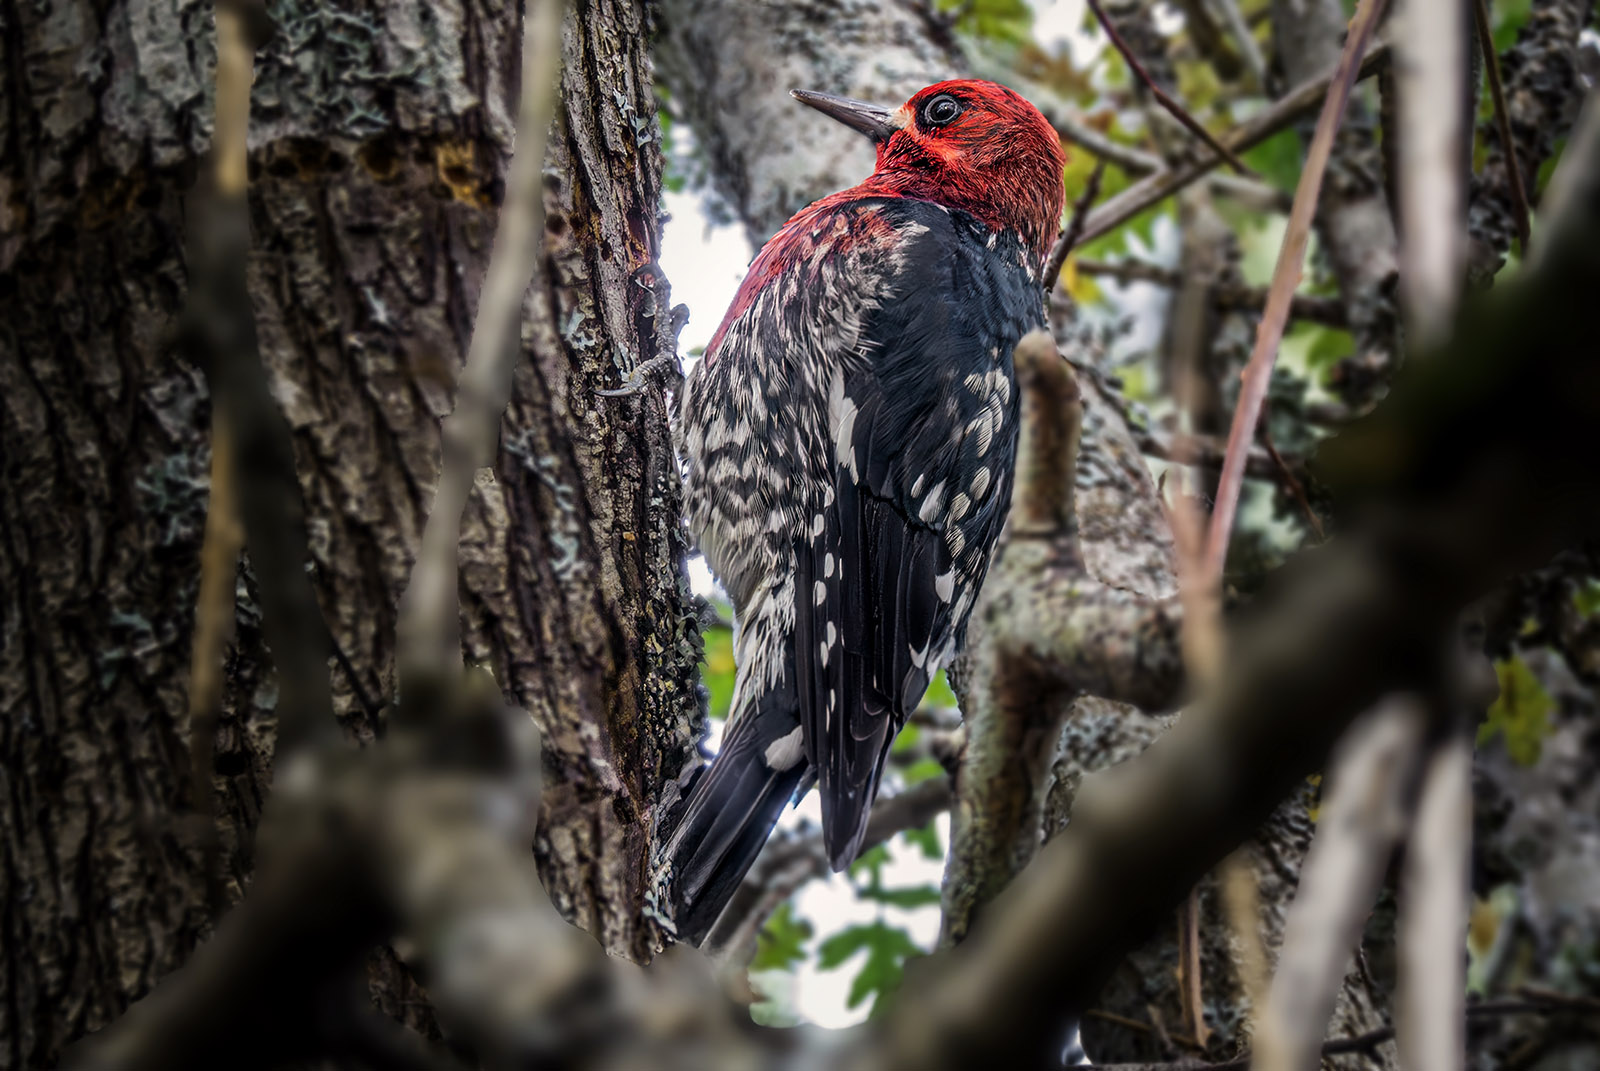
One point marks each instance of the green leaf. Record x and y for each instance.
(1007, 22)
(1587, 597)
(906, 740)
(1508, 16)
(887, 948)
(1115, 243)
(927, 840)
(1549, 166)
(921, 770)
(908, 898)
(871, 863)
(1331, 344)
(781, 945)
(1278, 159)
(718, 669)
(1521, 714)
(939, 693)
(841, 946)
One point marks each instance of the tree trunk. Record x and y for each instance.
(730, 65)
(379, 135)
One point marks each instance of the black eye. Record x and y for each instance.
(941, 110)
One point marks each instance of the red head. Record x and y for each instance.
(966, 144)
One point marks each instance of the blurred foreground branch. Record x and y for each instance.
(429, 628)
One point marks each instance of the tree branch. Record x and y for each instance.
(1434, 889)
(1285, 278)
(1173, 108)
(1069, 237)
(1521, 214)
(786, 864)
(218, 333)
(1286, 111)
(1329, 312)
(1363, 817)
(429, 628)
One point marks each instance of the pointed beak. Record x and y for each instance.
(873, 120)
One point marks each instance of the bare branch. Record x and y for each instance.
(1502, 120)
(1364, 814)
(1430, 78)
(1246, 40)
(224, 535)
(1137, 161)
(1322, 310)
(1285, 278)
(1431, 1003)
(218, 333)
(429, 628)
(214, 627)
(1069, 237)
(1173, 108)
(1287, 110)
(786, 864)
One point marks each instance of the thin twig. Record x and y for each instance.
(1143, 1028)
(1069, 239)
(1292, 482)
(1241, 899)
(1191, 994)
(218, 333)
(1487, 1009)
(1128, 157)
(1137, 161)
(1502, 120)
(1330, 312)
(785, 864)
(1285, 112)
(214, 627)
(429, 627)
(1285, 278)
(224, 534)
(1246, 41)
(1363, 818)
(1173, 108)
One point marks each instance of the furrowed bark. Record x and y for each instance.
(730, 66)
(378, 138)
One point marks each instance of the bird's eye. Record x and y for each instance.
(941, 110)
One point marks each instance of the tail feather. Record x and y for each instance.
(726, 819)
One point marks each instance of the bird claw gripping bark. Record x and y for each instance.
(849, 439)
(639, 378)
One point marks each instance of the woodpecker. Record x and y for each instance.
(849, 437)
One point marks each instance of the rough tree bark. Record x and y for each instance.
(730, 65)
(379, 133)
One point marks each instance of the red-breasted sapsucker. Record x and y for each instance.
(850, 437)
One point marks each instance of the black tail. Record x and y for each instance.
(728, 814)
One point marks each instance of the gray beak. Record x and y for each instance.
(871, 119)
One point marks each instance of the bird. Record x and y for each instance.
(849, 438)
